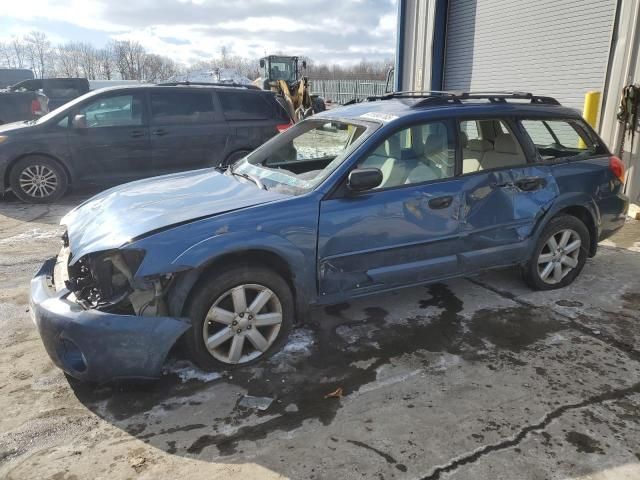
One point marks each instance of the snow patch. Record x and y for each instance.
(217, 75)
(300, 341)
(34, 234)
(188, 371)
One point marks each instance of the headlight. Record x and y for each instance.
(104, 279)
(3, 138)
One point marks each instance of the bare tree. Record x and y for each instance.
(66, 64)
(19, 52)
(39, 52)
(6, 55)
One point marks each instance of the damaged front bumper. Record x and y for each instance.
(97, 346)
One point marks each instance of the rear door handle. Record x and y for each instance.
(137, 133)
(159, 132)
(530, 184)
(440, 202)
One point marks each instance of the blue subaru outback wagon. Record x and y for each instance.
(401, 190)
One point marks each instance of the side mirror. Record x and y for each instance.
(304, 64)
(79, 121)
(362, 179)
(262, 63)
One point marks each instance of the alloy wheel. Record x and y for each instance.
(559, 256)
(242, 323)
(38, 181)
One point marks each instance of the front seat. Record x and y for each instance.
(434, 149)
(394, 171)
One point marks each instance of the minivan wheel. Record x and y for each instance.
(38, 179)
(560, 254)
(239, 316)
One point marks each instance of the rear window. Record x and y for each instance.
(181, 107)
(559, 139)
(250, 106)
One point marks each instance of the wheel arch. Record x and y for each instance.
(182, 290)
(579, 206)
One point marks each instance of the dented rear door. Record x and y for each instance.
(499, 210)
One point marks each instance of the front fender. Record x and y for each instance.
(194, 260)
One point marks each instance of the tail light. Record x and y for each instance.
(283, 126)
(36, 108)
(617, 167)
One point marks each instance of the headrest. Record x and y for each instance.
(434, 143)
(464, 139)
(392, 146)
(417, 141)
(478, 145)
(505, 143)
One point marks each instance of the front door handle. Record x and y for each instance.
(530, 184)
(137, 133)
(159, 132)
(440, 202)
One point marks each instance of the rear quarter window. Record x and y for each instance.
(248, 106)
(556, 138)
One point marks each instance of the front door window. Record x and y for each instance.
(117, 111)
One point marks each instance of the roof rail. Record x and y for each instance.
(209, 84)
(439, 97)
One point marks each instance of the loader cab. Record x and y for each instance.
(274, 68)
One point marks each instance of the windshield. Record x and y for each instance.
(298, 160)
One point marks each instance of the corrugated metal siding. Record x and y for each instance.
(548, 47)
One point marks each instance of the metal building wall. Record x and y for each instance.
(549, 47)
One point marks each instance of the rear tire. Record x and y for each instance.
(244, 313)
(560, 254)
(38, 179)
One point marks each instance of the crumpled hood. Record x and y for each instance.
(116, 216)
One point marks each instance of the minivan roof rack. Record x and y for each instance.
(209, 84)
(439, 97)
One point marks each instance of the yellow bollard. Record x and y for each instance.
(590, 112)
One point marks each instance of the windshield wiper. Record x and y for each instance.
(255, 180)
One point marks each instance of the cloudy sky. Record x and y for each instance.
(341, 31)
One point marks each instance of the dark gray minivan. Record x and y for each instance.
(119, 134)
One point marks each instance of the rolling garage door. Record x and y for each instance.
(548, 47)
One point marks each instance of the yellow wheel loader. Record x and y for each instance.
(282, 75)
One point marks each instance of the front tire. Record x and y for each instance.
(240, 315)
(560, 254)
(38, 179)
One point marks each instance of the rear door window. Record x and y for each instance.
(245, 106)
(489, 144)
(558, 139)
(181, 107)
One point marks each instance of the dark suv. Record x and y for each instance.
(115, 135)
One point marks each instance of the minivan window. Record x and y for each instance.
(245, 106)
(558, 139)
(181, 107)
(115, 111)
